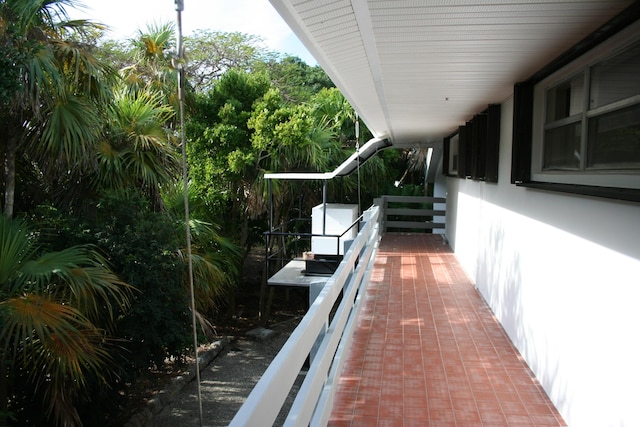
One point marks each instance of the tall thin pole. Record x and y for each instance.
(185, 181)
(358, 156)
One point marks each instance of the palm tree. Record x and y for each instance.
(135, 149)
(152, 69)
(51, 91)
(51, 307)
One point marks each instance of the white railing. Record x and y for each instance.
(325, 337)
(413, 213)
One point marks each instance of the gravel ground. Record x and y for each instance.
(226, 382)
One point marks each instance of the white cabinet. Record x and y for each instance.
(339, 218)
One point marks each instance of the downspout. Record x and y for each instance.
(324, 207)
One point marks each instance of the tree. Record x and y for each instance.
(53, 90)
(219, 137)
(296, 80)
(288, 138)
(151, 69)
(331, 107)
(135, 149)
(54, 307)
(213, 53)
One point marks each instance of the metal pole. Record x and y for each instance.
(358, 157)
(270, 205)
(324, 207)
(185, 180)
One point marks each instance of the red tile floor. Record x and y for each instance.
(428, 351)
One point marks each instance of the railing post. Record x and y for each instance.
(385, 205)
(314, 292)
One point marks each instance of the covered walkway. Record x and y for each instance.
(427, 350)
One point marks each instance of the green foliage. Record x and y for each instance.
(117, 53)
(215, 259)
(331, 107)
(219, 151)
(54, 308)
(16, 52)
(290, 138)
(60, 92)
(135, 150)
(296, 81)
(141, 245)
(146, 248)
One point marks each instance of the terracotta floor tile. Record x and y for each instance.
(364, 421)
(520, 420)
(392, 410)
(415, 409)
(507, 396)
(415, 401)
(389, 422)
(440, 403)
(468, 418)
(493, 419)
(336, 422)
(481, 387)
(441, 418)
(465, 405)
(365, 410)
(429, 352)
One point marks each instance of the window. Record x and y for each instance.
(577, 121)
(473, 150)
(592, 120)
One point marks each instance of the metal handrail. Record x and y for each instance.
(269, 234)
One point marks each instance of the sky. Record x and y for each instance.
(255, 17)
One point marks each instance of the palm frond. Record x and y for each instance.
(37, 317)
(70, 131)
(43, 76)
(15, 247)
(58, 346)
(77, 275)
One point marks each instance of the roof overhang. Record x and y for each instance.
(416, 70)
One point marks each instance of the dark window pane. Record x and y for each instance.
(453, 154)
(562, 147)
(565, 100)
(616, 79)
(614, 140)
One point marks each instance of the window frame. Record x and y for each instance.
(581, 68)
(529, 114)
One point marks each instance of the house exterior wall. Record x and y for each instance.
(562, 274)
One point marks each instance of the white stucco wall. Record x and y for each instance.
(562, 274)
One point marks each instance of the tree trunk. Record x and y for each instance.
(9, 176)
(4, 391)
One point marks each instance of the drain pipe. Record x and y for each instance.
(324, 207)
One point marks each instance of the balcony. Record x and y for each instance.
(400, 336)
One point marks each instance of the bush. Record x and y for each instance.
(141, 246)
